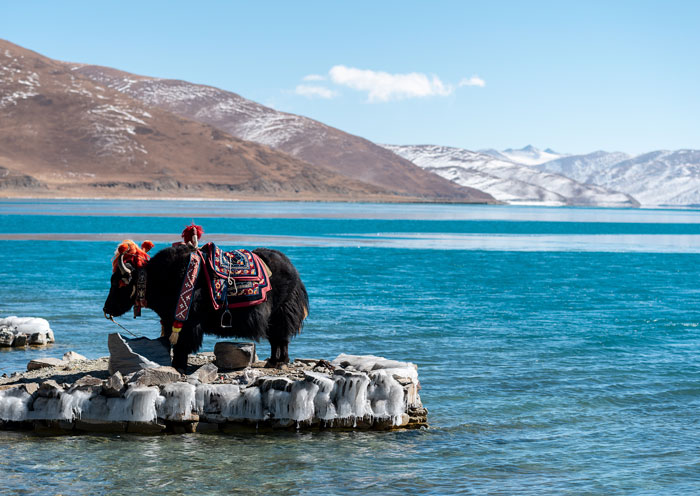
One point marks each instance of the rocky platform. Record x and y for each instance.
(77, 395)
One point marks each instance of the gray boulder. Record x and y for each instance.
(205, 374)
(114, 386)
(131, 355)
(231, 356)
(41, 363)
(37, 339)
(155, 376)
(20, 341)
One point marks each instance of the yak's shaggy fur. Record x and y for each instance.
(278, 319)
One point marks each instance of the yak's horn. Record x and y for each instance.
(122, 266)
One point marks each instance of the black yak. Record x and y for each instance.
(157, 283)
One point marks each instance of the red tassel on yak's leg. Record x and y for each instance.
(192, 234)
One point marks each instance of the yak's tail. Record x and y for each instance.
(297, 309)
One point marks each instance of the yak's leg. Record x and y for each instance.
(189, 341)
(279, 353)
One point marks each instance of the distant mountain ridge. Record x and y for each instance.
(528, 155)
(658, 178)
(509, 181)
(65, 134)
(71, 129)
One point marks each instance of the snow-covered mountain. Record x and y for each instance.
(586, 168)
(655, 178)
(528, 155)
(508, 181)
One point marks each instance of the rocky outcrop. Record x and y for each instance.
(18, 332)
(351, 392)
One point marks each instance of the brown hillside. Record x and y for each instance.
(304, 138)
(62, 134)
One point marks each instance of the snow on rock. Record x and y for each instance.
(508, 181)
(20, 331)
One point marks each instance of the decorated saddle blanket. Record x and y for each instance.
(234, 279)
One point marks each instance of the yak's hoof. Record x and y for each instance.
(325, 364)
(273, 364)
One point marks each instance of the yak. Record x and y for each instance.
(140, 281)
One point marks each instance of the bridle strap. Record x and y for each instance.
(140, 297)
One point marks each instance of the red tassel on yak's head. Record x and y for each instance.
(192, 234)
(132, 254)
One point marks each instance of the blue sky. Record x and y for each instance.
(573, 76)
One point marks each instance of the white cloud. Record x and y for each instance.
(315, 91)
(314, 77)
(382, 86)
(473, 81)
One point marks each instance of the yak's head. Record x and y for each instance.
(128, 259)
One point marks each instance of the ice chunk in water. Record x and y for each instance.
(350, 395)
(386, 395)
(247, 405)
(302, 400)
(176, 402)
(211, 398)
(64, 406)
(138, 405)
(323, 404)
(14, 404)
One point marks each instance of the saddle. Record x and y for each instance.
(235, 279)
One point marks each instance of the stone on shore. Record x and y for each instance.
(159, 376)
(38, 339)
(40, 363)
(131, 355)
(7, 337)
(20, 341)
(114, 385)
(205, 374)
(50, 389)
(72, 356)
(232, 356)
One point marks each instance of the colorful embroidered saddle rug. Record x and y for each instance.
(235, 279)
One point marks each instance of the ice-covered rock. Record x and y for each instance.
(352, 391)
(17, 332)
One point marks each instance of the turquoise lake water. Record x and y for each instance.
(557, 348)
